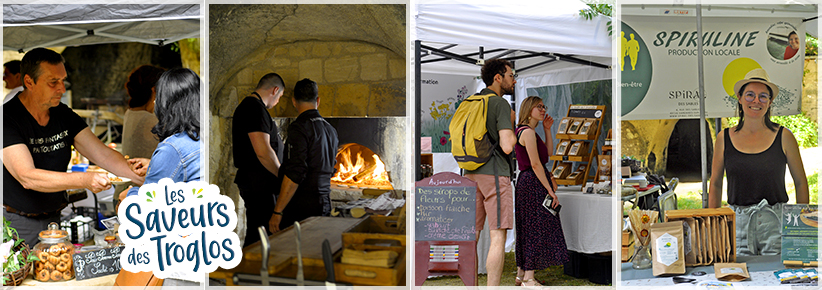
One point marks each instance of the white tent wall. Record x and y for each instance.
(551, 27)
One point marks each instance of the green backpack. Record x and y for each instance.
(471, 144)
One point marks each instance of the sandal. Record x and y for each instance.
(518, 281)
(535, 285)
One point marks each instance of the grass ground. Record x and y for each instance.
(553, 276)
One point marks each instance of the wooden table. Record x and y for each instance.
(282, 261)
(99, 281)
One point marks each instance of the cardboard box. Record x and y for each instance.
(589, 127)
(578, 148)
(573, 128)
(562, 147)
(563, 125)
(562, 170)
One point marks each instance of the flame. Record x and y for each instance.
(354, 169)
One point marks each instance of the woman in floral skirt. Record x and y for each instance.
(540, 241)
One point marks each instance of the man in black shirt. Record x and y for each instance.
(312, 150)
(38, 132)
(258, 150)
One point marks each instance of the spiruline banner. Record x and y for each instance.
(660, 78)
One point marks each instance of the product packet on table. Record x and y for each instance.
(733, 272)
(786, 276)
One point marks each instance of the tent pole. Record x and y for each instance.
(416, 109)
(703, 146)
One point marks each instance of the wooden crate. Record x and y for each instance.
(370, 275)
(374, 229)
(681, 214)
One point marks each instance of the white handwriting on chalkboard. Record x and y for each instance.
(445, 213)
(439, 231)
(97, 263)
(445, 195)
(444, 182)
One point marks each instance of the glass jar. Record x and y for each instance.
(642, 258)
(55, 254)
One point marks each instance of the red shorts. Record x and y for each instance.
(487, 201)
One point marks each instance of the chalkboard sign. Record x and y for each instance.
(584, 111)
(97, 263)
(445, 208)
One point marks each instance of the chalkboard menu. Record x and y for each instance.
(97, 263)
(584, 111)
(445, 208)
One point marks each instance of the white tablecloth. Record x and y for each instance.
(586, 220)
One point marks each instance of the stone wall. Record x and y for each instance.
(356, 54)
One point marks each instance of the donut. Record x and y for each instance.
(65, 257)
(56, 275)
(54, 260)
(48, 266)
(54, 250)
(62, 267)
(44, 257)
(43, 275)
(68, 274)
(37, 267)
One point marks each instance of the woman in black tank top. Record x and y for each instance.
(754, 152)
(753, 155)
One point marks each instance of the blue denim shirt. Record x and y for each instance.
(177, 157)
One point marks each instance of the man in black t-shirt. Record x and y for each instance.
(258, 150)
(38, 132)
(312, 150)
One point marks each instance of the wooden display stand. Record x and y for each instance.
(589, 155)
(728, 233)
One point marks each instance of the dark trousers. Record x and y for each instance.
(259, 206)
(301, 208)
(29, 228)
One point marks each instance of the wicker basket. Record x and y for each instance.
(16, 278)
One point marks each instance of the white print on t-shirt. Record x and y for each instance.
(59, 137)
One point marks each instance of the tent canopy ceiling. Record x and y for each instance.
(28, 26)
(534, 36)
(803, 9)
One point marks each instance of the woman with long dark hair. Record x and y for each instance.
(540, 241)
(177, 108)
(753, 155)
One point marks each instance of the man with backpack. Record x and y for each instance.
(490, 170)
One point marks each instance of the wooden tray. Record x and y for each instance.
(284, 245)
(369, 275)
(680, 214)
(373, 229)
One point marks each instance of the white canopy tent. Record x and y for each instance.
(550, 44)
(29, 26)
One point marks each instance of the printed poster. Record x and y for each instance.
(659, 65)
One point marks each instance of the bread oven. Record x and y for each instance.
(370, 157)
(359, 167)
